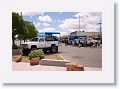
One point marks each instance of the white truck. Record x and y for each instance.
(45, 41)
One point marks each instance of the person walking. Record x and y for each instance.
(66, 41)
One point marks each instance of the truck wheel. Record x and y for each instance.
(57, 48)
(54, 49)
(44, 50)
(25, 52)
(33, 48)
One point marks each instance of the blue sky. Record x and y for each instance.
(64, 22)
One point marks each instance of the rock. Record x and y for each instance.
(74, 67)
(19, 59)
(34, 61)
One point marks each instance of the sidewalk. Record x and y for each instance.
(26, 67)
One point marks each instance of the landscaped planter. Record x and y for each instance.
(34, 61)
(50, 60)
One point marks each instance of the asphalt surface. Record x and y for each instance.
(89, 57)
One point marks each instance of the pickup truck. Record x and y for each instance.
(46, 42)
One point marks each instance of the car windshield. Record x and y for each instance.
(34, 39)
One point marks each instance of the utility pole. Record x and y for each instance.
(79, 23)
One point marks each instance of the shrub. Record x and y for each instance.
(36, 53)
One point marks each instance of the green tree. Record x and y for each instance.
(17, 26)
(24, 29)
(29, 31)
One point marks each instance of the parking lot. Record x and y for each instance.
(89, 57)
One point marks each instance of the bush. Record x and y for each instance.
(36, 53)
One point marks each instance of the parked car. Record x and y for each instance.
(77, 40)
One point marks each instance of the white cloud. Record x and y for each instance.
(46, 24)
(37, 25)
(96, 14)
(59, 20)
(93, 20)
(47, 30)
(30, 17)
(63, 33)
(45, 18)
(90, 17)
(83, 14)
(92, 26)
(69, 24)
(32, 13)
(88, 22)
(71, 30)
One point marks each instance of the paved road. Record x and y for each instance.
(89, 57)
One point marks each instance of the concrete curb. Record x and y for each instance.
(50, 62)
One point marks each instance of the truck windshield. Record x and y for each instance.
(51, 38)
(34, 39)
